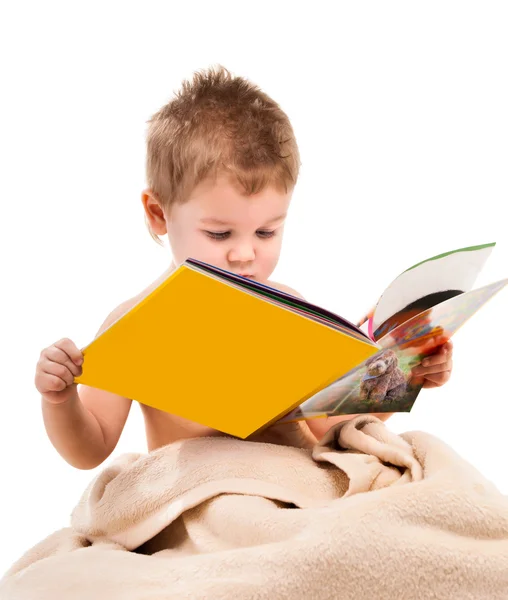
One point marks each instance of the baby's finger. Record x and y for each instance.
(70, 348)
(441, 355)
(54, 354)
(441, 343)
(427, 384)
(447, 348)
(447, 365)
(52, 368)
(431, 361)
(437, 379)
(435, 359)
(52, 383)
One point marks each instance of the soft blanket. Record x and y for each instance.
(365, 514)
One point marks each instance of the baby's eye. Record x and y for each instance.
(265, 234)
(218, 235)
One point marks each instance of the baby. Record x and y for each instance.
(222, 164)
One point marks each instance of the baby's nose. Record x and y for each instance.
(242, 253)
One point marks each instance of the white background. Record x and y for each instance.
(400, 109)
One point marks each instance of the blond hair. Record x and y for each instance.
(219, 122)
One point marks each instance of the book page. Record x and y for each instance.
(427, 284)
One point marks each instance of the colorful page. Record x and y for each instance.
(383, 383)
(424, 285)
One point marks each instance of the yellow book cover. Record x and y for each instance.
(222, 355)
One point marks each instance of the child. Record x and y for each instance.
(222, 163)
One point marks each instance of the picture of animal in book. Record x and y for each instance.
(384, 380)
(381, 384)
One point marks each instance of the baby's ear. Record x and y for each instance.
(154, 214)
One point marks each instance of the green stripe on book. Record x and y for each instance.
(469, 249)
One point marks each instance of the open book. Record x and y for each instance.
(418, 312)
(237, 355)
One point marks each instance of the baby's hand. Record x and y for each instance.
(56, 369)
(436, 369)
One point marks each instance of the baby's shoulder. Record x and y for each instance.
(117, 313)
(285, 288)
(124, 307)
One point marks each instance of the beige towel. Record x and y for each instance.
(366, 514)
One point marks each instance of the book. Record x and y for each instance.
(236, 355)
(418, 312)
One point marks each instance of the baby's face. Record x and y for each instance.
(221, 226)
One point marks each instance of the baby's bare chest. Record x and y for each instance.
(163, 428)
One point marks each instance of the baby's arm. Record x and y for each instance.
(83, 425)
